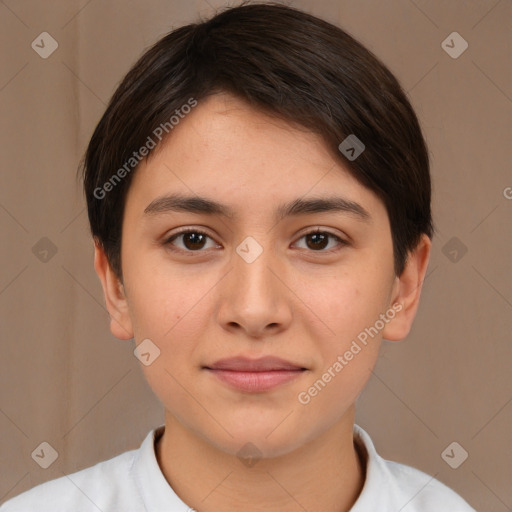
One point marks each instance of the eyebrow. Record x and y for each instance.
(203, 205)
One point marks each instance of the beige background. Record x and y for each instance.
(65, 380)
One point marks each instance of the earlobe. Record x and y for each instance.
(113, 291)
(407, 291)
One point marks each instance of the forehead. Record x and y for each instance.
(246, 159)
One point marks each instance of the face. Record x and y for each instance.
(247, 282)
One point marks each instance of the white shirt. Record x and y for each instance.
(134, 482)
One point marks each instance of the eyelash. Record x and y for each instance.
(168, 241)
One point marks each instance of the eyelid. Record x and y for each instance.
(320, 229)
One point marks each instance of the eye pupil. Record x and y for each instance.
(193, 239)
(318, 237)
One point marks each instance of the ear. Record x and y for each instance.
(115, 299)
(407, 290)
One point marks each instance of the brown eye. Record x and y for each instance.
(318, 240)
(191, 240)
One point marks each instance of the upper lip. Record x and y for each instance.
(244, 364)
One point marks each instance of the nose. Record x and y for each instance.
(254, 296)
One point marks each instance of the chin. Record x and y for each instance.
(261, 440)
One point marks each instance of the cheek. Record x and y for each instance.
(348, 349)
(173, 310)
(346, 340)
(169, 312)
(158, 297)
(342, 305)
(167, 309)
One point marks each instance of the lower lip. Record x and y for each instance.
(255, 382)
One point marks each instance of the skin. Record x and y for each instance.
(299, 301)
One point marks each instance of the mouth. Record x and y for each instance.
(255, 375)
(262, 364)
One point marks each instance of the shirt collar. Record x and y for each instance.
(375, 493)
(159, 496)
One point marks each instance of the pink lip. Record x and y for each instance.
(255, 382)
(245, 364)
(255, 375)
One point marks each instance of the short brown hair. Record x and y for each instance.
(285, 62)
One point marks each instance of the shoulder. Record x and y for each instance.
(99, 487)
(393, 486)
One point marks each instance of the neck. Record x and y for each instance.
(324, 474)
